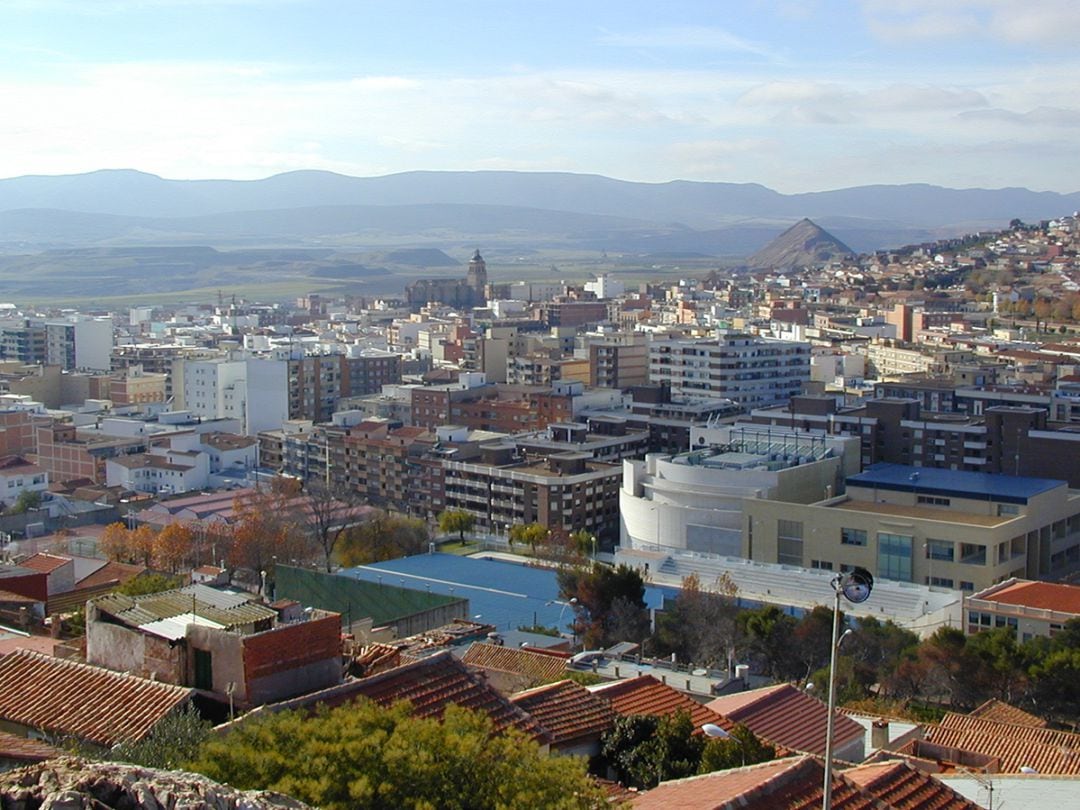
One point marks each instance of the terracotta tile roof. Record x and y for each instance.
(87, 702)
(111, 572)
(900, 785)
(430, 685)
(45, 563)
(646, 695)
(1002, 712)
(538, 668)
(23, 749)
(786, 716)
(1057, 596)
(783, 784)
(1026, 733)
(567, 711)
(1012, 753)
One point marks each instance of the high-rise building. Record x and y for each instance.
(748, 370)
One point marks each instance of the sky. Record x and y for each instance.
(798, 95)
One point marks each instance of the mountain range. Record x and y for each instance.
(520, 209)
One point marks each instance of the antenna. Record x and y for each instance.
(985, 782)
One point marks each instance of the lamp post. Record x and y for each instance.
(855, 586)
(718, 733)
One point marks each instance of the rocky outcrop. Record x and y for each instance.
(804, 244)
(70, 783)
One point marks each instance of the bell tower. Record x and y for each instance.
(476, 278)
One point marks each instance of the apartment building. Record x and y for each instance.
(748, 370)
(947, 528)
(1030, 608)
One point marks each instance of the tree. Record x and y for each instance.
(364, 755)
(264, 526)
(457, 521)
(149, 583)
(115, 543)
(531, 534)
(701, 624)
(173, 547)
(327, 514)
(28, 499)
(645, 750)
(593, 591)
(769, 631)
(174, 741)
(742, 748)
(382, 537)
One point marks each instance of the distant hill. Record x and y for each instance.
(804, 244)
(438, 209)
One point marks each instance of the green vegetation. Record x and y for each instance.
(609, 603)
(644, 750)
(27, 500)
(149, 583)
(366, 756)
(174, 741)
(460, 522)
(382, 536)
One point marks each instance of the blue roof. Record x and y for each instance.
(956, 483)
(507, 595)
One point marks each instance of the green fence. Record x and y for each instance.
(355, 599)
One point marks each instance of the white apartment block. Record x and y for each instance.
(748, 370)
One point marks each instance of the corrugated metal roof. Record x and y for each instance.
(176, 627)
(227, 610)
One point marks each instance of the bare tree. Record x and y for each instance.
(327, 513)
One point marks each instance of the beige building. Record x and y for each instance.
(1029, 608)
(946, 528)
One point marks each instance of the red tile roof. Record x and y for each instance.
(23, 749)
(429, 685)
(784, 784)
(567, 711)
(904, 787)
(84, 701)
(1011, 752)
(537, 667)
(1002, 712)
(1046, 595)
(1012, 731)
(45, 563)
(787, 716)
(646, 695)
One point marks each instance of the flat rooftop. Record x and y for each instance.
(923, 513)
(957, 483)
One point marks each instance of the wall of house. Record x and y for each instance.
(124, 649)
(292, 659)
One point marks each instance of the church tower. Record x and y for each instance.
(476, 278)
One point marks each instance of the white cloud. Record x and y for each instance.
(1024, 22)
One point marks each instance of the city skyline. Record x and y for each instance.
(797, 96)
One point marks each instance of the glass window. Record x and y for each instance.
(1008, 509)
(972, 554)
(789, 542)
(940, 550)
(894, 556)
(853, 537)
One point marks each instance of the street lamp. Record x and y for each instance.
(855, 586)
(718, 733)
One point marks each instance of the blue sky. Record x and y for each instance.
(797, 95)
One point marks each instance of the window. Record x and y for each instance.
(822, 565)
(894, 556)
(972, 554)
(967, 586)
(853, 537)
(940, 582)
(940, 550)
(789, 542)
(931, 500)
(1008, 509)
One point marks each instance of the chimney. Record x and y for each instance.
(879, 734)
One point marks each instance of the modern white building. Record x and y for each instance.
(695, 500)
(79, 344)
(606, 287)
(749, 370)
(254, 391)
